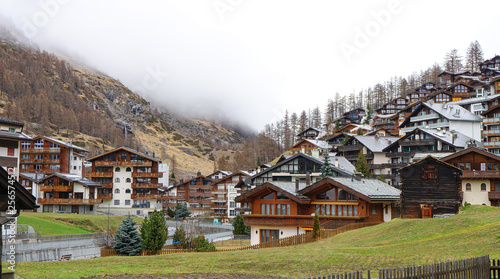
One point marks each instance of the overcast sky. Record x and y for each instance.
(250, 60)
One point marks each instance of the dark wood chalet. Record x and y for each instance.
(197, 192)
(387, 122)
(355, 115)
(224, 193)
(480, 175)
(447, 78)
(307, 146)
(429, 187)
(461, 91)
(282, 209)
(492, 63)
(309, 133)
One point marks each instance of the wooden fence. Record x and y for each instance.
(495, 269)
(474, 268)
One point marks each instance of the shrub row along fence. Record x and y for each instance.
(283, 242)
(474, 268)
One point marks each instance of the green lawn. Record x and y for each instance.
(397, 243)
(59, 223)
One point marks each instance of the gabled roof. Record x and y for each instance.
(385, 115)
(368, 189)
(242, 173)
(199, 176)
(340, 171)
(11, 122)
(450, 112)
(354, 127)
(24, 200)
(32, 176)
(454, 74)
(286, 188)
(319, 143)
(426, 161)
(310, 128)
(73, 178)
(60, 142)
(225, 173)
(461, 140)
(375, 143)
(343, 163)
(474, 100)
(125, 149)
(15, 136)
(471, 150)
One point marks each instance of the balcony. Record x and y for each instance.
(220, 192)
(40, 150)
(147, 174)
(291, 220)
(99, 174)
(70, 201)
(491, 144)
(106, 185)
(105, 196)
(145, 197)
(56, 188)
(399, 154)
(146, 185)
(491, 121)
(123, 163)
(201, 194)
(169, 204)
(418, 142)
(481, 174)
(394, 165)
(197, 186)
(424, 117)
(494, 196)
(355, 157)
(344, 148)
(491, 132)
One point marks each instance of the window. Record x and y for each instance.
(10, 151)
(38, 167)
(74, 167)
(39, 144)
(342, 195)
(124, 157)
(25, 145)
(282, 209)
(267, 209)
(127, 202)
(54, 167)
(75, 158)
(117, 180)
(129, 169)
(483, 187)
(232, 204)
(460, 89)
(117, 191)
(128, 180)
(117, 169)
(468, 187)
(268, 197)
(467, 166)
(62, 207)
(374, 209)
(47, 208)
(117, 202)
(53, 145)
(38, 156)
(12, 130)
(268, 235)
(127, 191)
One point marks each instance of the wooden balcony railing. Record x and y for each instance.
(292, 220)
(147, 174)
(343, 148)
(145, 197)
(197, 186)
(106, 185)
(418, 142)
(481, 174)
(123, 163)
(105, 196)
(70, 201)
(146, 185)
(40, 150)
(200, 194)
(56, 188)
(99, 174)
(494, 196)
(394, 165)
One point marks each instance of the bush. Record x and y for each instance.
(201, 244)
(315, 231)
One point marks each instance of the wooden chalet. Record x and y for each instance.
(492, 63)
(461, 91)
(440, 97)
(129, 179)
(491, 127)
(197, 193)
(48, 155)
(309, 133)
(353, 129)
(447, 78)
(386, 122)
(355, 115)
(282, 209)
(344, 120)
(11, 136)
(429, 187)
(218, 174)
(336, 140)
(224, 193)
(480, 175)
(307, 146)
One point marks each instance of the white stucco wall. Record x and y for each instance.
(468, 128)
(475, 196)
(284, 232)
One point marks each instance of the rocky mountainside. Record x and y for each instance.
(71, 102)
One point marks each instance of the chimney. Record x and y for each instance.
(296, 184)
(358, 176)
(181, 180)
(337, 163)
(198, 173)
(308, 179)
(153, 154)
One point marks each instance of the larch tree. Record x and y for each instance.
(303, 121)
(474, 57)
(453, 61)
(294, 122)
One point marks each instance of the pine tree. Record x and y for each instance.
(362, 165)
(359, 132)
(303, 121)
(170, 212)
(182, 211)
(154, 232)
(128, 242)
(326, 168)
(369, 114)
(239, 227)
(315, 230)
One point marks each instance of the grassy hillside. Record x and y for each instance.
(58, 223)
(397, 243)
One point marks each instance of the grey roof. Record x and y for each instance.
(453, 112)
(343, 163)
(77, 178)
(447, 136)
(385, 115)
(10, 121)
(319, 143)
(372, 188)
(375, 143)
(473, 100)
(290, 188)
(438, 155)
(16, 136)
(37, 177)
(67, 144)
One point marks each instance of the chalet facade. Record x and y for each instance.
(219, 174)
(11, 136)
(282, 209)
(387, 122)
(353, 129)
(197, 193)
(48, 155)
(429, 187)
(355, 115)
(307, 146)
(130, 181)
(445, 117)
(491, 128)
(68, 193)
(480, 180)
(309, 133)
(224, 193)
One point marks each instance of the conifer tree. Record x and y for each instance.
(239, 227)
(381, 178)
(128, 242)
(362, 165)
(326, 168)
(154, 232)
(181, 211)
(315, 230)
